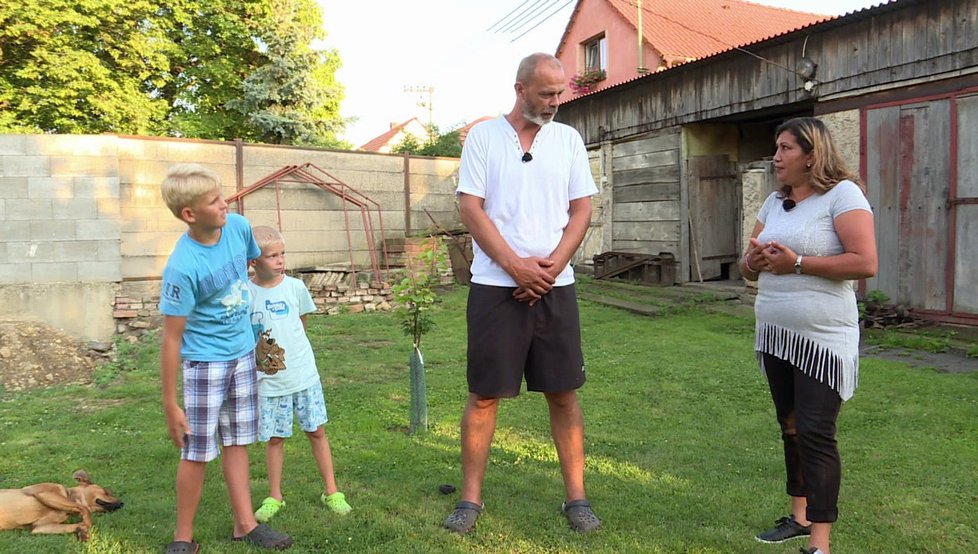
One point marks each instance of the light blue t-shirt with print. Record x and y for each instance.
(208, 284)
(278, 310)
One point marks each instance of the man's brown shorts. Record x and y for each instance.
(510, 340)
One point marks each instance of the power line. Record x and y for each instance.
(507, 15)
(569, 2)
(524, 19)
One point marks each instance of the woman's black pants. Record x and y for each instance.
(807, 411)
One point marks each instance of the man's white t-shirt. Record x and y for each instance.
(528, 202)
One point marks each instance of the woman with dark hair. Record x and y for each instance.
(812, 238)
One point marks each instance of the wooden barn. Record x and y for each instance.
(683, 155)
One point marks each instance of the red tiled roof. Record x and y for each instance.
(378, 142)
(684, 30)
(464, 130)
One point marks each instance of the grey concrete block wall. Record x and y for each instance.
(53, 228)
(148, 230)
(83, 309)
(84, 214)
(25, 166)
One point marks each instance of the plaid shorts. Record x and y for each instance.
(275, 412)
(221, 403)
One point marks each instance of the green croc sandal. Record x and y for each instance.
(269, 507)
(336, 502)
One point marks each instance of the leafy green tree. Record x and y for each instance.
(81, 66)
(410, 144)
(174, 67)
(447, 145)
(414, 297)
(211, 53)
(293, 98)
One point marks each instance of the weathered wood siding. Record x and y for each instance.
(966, 214)
(594, 238)
(894, 44)
(646, 195)
(909, 185)
(908, 41)
(909, 67)
(714, 199)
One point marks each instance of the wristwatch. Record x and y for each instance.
(798, 264)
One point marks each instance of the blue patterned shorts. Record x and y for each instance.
(220, 400)
(275, 413)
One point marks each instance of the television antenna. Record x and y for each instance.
(422, 103)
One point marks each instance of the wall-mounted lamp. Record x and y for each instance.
(806, 68)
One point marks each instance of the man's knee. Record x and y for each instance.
(481, 403)
(564, 400)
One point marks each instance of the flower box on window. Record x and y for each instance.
(585, 81)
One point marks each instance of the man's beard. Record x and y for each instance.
(537, 118)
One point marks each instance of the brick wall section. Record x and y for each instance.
(136, 308)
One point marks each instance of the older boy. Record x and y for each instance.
(204, 299)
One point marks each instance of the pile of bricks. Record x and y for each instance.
(336, 291)
(136, 309)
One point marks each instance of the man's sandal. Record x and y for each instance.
(265, 537)
(462, 520)
(182, 547)
(580, 516)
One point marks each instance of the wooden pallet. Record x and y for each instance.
(647, 269)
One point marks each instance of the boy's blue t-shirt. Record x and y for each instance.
(209, 286)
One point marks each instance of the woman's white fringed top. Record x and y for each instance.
(811, 322)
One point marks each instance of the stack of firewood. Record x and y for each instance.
(881, 316)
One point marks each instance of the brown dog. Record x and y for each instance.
(44, 508)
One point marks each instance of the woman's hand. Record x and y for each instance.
(777, 258)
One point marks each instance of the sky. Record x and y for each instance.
(465, 51)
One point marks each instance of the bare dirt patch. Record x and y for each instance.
(34, 355)
(952, 361)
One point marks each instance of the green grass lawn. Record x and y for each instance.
(683, 453)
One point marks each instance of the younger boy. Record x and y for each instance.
(204, 300)
(288, 380)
